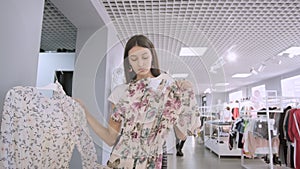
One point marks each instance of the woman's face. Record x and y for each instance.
(140, 59)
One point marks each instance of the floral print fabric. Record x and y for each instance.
(148, 109)
(41, 132)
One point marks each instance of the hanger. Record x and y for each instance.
(50, 86)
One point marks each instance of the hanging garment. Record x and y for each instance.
(149, 108)
(259, 145)
(235, 113)
(294, 134)
(283, 142)
(41, 132)
(236, 130)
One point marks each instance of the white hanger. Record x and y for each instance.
(51, 86)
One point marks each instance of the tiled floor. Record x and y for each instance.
(196, 156)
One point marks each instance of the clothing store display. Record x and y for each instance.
(289, 145)
(149, 108)
(41, 132)
(283, 143)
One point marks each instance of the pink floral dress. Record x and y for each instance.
(148, 109)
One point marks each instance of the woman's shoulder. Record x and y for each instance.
(120, 88)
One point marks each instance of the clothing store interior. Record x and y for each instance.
(242, 58)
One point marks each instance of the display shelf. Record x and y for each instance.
(216, 138)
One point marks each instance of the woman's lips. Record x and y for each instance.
(142, 70)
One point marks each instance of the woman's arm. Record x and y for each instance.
(107, 134)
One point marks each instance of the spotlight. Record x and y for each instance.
(261, 67)
(253, 71)
(279, 62)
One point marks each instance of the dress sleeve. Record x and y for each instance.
(115, 96)
(7, 159)
(188, 118)
(80, 134)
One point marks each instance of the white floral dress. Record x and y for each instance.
(148, 109)
(40, 132)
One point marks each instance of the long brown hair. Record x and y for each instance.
(142, 41)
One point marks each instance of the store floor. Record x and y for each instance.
(196, 156)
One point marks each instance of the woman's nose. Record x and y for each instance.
(140, 62)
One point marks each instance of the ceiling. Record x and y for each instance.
(255, 30)
(57, 31)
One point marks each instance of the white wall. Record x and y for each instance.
(20, 32)
(114, 58)
(271, 84)
(100, 54)
(50, 62)
(85, 76)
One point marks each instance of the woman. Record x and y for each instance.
(146, 108)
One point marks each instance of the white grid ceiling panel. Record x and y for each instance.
(57, 30)
(259, 29)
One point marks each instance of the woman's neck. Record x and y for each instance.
(139, 77)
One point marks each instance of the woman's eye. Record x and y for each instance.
(145, 57)
(133, 58)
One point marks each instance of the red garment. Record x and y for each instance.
(235, 113)
(295, 135)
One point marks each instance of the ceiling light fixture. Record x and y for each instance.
(192, 51)
(241, 75)
(221, 84)
(261, 67)
(279, 62)
(231, 57)
(291, 52)
(253, 71)
(217, 65)
(207, 91)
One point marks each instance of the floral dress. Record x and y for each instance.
(148, 109)
(41, 132)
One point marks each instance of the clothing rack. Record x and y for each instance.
(272, 100)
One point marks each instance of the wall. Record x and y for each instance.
(86, 75)
(20, 42)
(271, 84)
(113, 59)
(50, 62)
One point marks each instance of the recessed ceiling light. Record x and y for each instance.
(290, 52)
(192, 51)
(221, 84)
(241, 75)
(180, 75)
